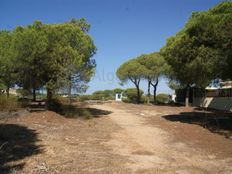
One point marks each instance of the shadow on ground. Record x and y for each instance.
(75, 111)
(216, 122)
(16, 143)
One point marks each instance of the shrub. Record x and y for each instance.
(163, 99)
(69, 111)
(131, 95)
(103, 95)
(23, 92)
(8, 104)
(117, 90)
(84, 98)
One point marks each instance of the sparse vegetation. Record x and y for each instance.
(130, 95)
(48, 125)
(9, 104)
(63, 107)
(163, 98)
(101, 95)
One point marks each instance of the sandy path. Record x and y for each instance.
(150, 149)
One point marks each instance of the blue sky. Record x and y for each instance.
(121, 29)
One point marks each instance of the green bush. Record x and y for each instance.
(163, 99)
(9, 104)
(117, 90)
(23, 92)
(84, 98)
(131, 95)
(103, 95)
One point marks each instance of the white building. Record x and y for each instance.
(219, 98)
(118, 97)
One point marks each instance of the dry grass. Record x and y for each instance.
(9, 104)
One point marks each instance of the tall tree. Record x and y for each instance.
(7, 61)
(54, 55)
(68, 56)
(132, 71)
(202, 50)
(155, 66)
(30, 45)
(80, 68)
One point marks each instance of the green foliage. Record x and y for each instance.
(202, 50)
(154, 65)
(132, 71)
(23, 92)
(8, 104)
(84, 98)
(50, 55)
(101, 95)
(175, 85)
(163, 99)
(117, 90)
(131, 95)
(7, 60)
(72, 49)
(30, 44)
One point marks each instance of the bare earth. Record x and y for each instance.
(127, 138)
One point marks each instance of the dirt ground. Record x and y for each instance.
(121, 138)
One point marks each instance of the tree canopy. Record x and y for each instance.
(132, 71)
(50, 55)
(201, 51)
(7, 61)
(154, 67)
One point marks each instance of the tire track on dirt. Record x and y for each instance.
(150, 148)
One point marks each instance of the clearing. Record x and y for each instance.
(121, 138)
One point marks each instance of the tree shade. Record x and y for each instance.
(201, 51)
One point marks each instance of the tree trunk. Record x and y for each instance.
(136, 82)
(154, 91)
(138, 94)
(187, 97)
(70, 90)
(154, 94)
(34, 94)
(49, 96)
(8, 92)
(148, 92)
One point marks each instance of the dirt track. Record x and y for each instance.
(127, 139)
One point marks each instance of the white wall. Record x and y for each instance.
(219, 103)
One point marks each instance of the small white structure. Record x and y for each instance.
(174, 97)
(118, 97)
